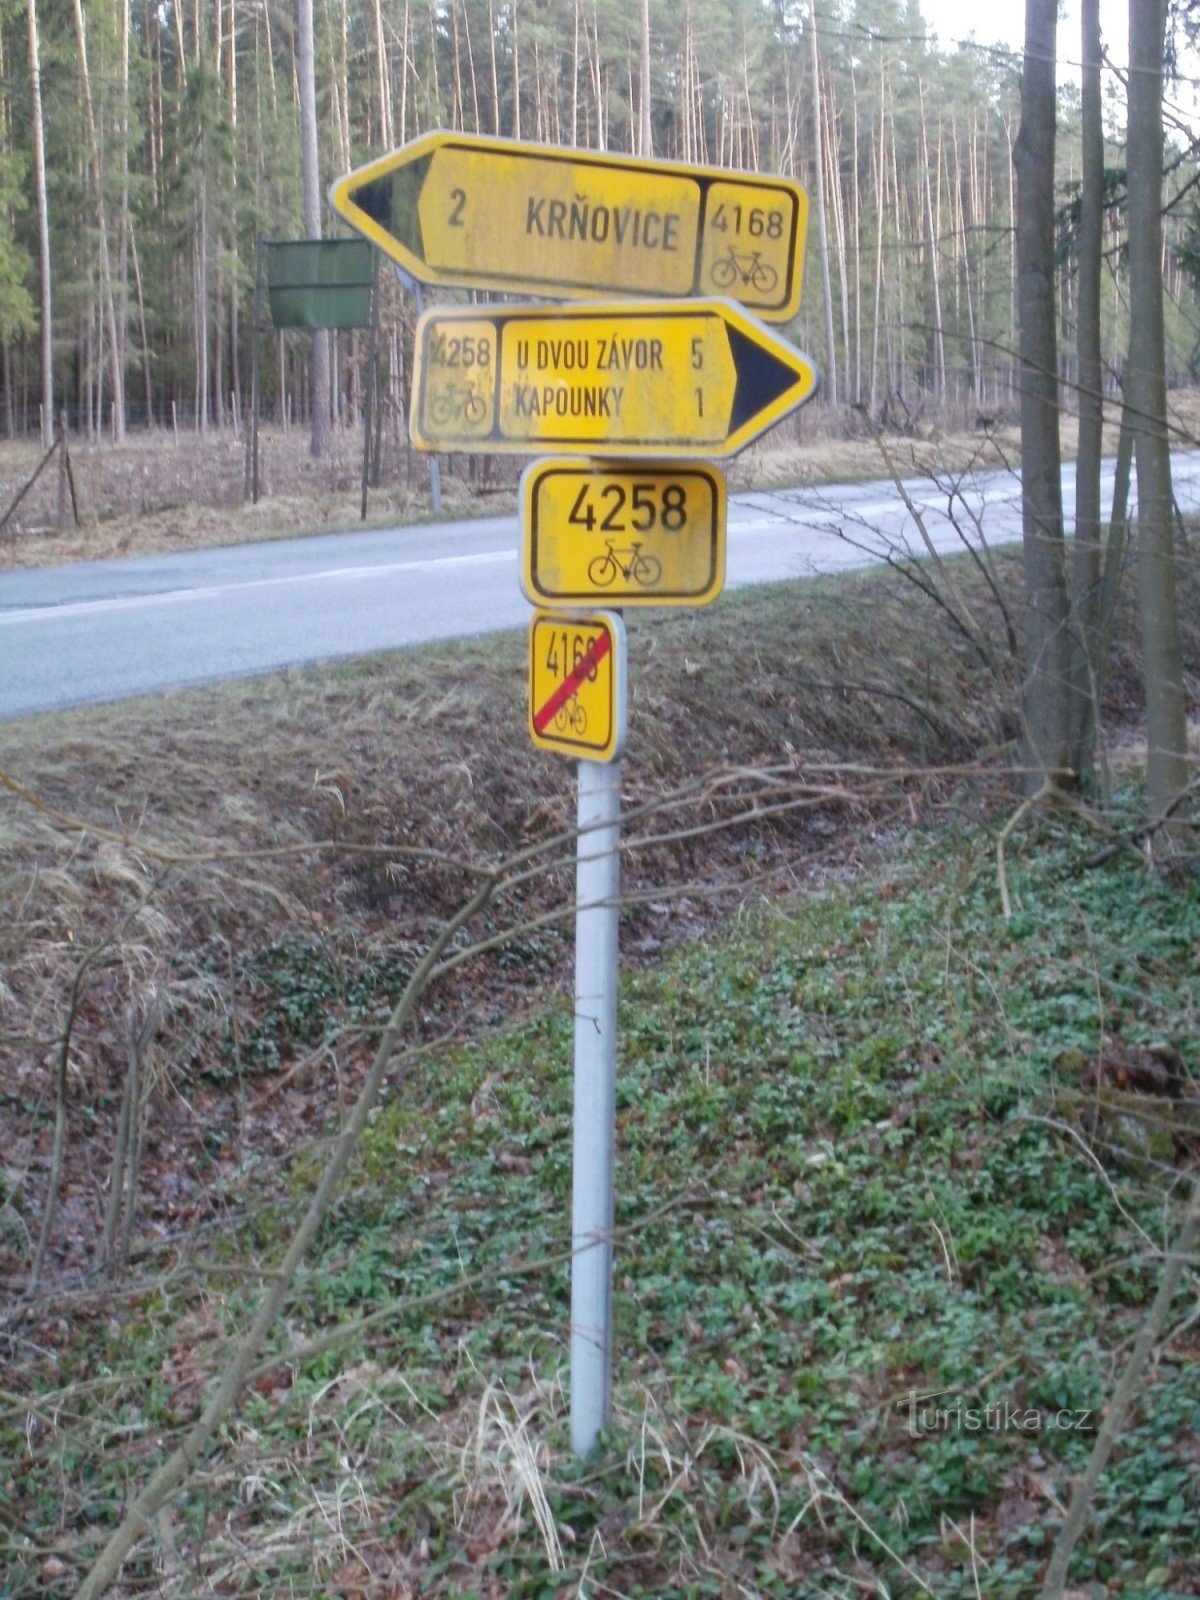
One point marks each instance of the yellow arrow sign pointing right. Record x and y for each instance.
(701, 378)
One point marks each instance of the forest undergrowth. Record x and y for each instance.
(896, 1173)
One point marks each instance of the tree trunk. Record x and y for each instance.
(881, 177)
(1162, 658)
(964, 188)
(899, 368)
(938, 351)
(645, 136)
(234, 288)
(457, 109)
(311, 178)
(1012, 252)
(856, 234)
(971, 220)
(10, 406)
(218, 333)
(1085, 570)
(180, 45)
(476, 125)
(576, 67)
(141, 305)
(399, 130)
(201, 292)
(1046, 634)
(495, 70)
(822, 233)
(833, 181)
(1117, 547)
(384, 74)
(699, 137)
(433, 56)
(123, 223)
(516, 69)
(43, 216)
(106, 284)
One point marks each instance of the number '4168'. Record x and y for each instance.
(566, 652)
(754, 220)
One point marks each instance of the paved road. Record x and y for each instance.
(108, 630)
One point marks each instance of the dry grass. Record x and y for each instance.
(156, 854)
(156, 493)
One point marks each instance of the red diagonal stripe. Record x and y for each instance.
(595, 653)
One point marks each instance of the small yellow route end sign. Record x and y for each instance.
(629, 537)
(522, 218)
(577, 677)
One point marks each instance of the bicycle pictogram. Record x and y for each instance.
(458, 401)
(747, 271)
(632, 565)
(572, 716)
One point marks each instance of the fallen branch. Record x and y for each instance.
(1006, 833)
(4, 520)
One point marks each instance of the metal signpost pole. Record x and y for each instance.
(254, 398)
(597, 890)
(435, 469)
(668, 374)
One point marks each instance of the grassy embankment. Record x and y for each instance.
(888, 1162)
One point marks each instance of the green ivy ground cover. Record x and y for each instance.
(862, 1349)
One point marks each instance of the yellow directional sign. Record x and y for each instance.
(647, 379)
(629, 538)
(535, 219)
(577, 684)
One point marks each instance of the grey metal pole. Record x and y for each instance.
(252, 442)
(435, 470)
(597, 890)
(369, 394)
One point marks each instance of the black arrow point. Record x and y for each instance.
(761, 378)
(376, 200)
(391, 202)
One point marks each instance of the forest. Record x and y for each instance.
(144, 147)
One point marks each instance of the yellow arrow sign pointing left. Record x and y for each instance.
(524, 218)
(700, 378)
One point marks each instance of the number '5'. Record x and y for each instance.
(697, 354)
(643, 502)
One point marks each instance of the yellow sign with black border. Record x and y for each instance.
(577, 684)
(629, 537)
(651, 378)
(522, 218)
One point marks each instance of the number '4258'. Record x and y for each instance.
(615, 508)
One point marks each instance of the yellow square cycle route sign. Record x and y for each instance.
(577, 684)
(598, 531)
